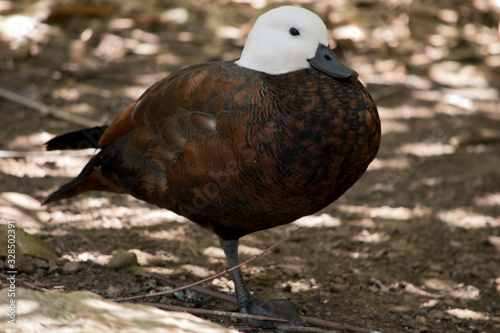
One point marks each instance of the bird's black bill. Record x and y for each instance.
(326, 61)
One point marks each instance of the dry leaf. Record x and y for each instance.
(25, 244)
(127, 260)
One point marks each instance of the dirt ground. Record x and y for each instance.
(414, 246)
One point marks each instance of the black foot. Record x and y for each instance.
(275, 308)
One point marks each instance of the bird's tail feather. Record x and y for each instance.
(76, 186)
(87, 138)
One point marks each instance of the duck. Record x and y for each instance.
(240, 146)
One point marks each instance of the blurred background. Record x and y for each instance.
(413, 246)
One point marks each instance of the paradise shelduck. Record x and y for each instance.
(241, 146)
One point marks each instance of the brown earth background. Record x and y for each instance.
(414, 246)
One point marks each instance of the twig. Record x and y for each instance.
(310, 320)
(286, 327)
(210, 277)
(27, 284)
(330, 324)
(300, 329)
(198, 289)
(44, 109)
(214, 312)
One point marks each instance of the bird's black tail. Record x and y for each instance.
(87, 138)
(75, 186)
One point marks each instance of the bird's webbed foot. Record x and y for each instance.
(275, 308)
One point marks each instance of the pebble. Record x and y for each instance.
(71, 267)
(113, 292)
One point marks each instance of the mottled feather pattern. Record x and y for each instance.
(249, 152)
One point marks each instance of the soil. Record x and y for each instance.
(414, 246)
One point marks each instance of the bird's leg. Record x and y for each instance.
(270, 308)
(230, 248)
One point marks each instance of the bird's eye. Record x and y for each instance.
(294, 32)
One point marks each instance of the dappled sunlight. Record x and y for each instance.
(101, 305)
(81, 108)
(430, 303)
(68, 94)
(454, 74)
(436, 289)
(395, 126)
(449, 288)
(414, 244)
(177, 15)
(64, 165)
(358, 255)
(25, 306)
(431, 95)
(113, 217)
(471, 315)
(229, 32)
(213, 252)
(459, 101)
(297, 286)
(21, 200)
(146, 216)
(495, 241)
(370, 237)
(169, 234)
(394, 213)
(85, 311)
(465, 218)
(489, 200)
(17, 27)
(384, 212)
(198, 271)
(101, 221)
(413, 289)
(388, 163)
(93, 256)
(406, 112)
(426, 149)
(27, 142)
(248, 250)
(20, 168)
(322, 220)
(353, 32)
(30, 223)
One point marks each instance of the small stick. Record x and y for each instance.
(27, 284)
(294, 328)
(330, 324)
(210, 277)
(310, 320)
(287, 327)
(44, 109)
(213, 312)
(200, 290)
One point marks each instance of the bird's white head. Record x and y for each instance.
(287, 39)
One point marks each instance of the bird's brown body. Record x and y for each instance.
(237, 150)
(241, 146)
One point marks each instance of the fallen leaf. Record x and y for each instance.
(24, 243)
